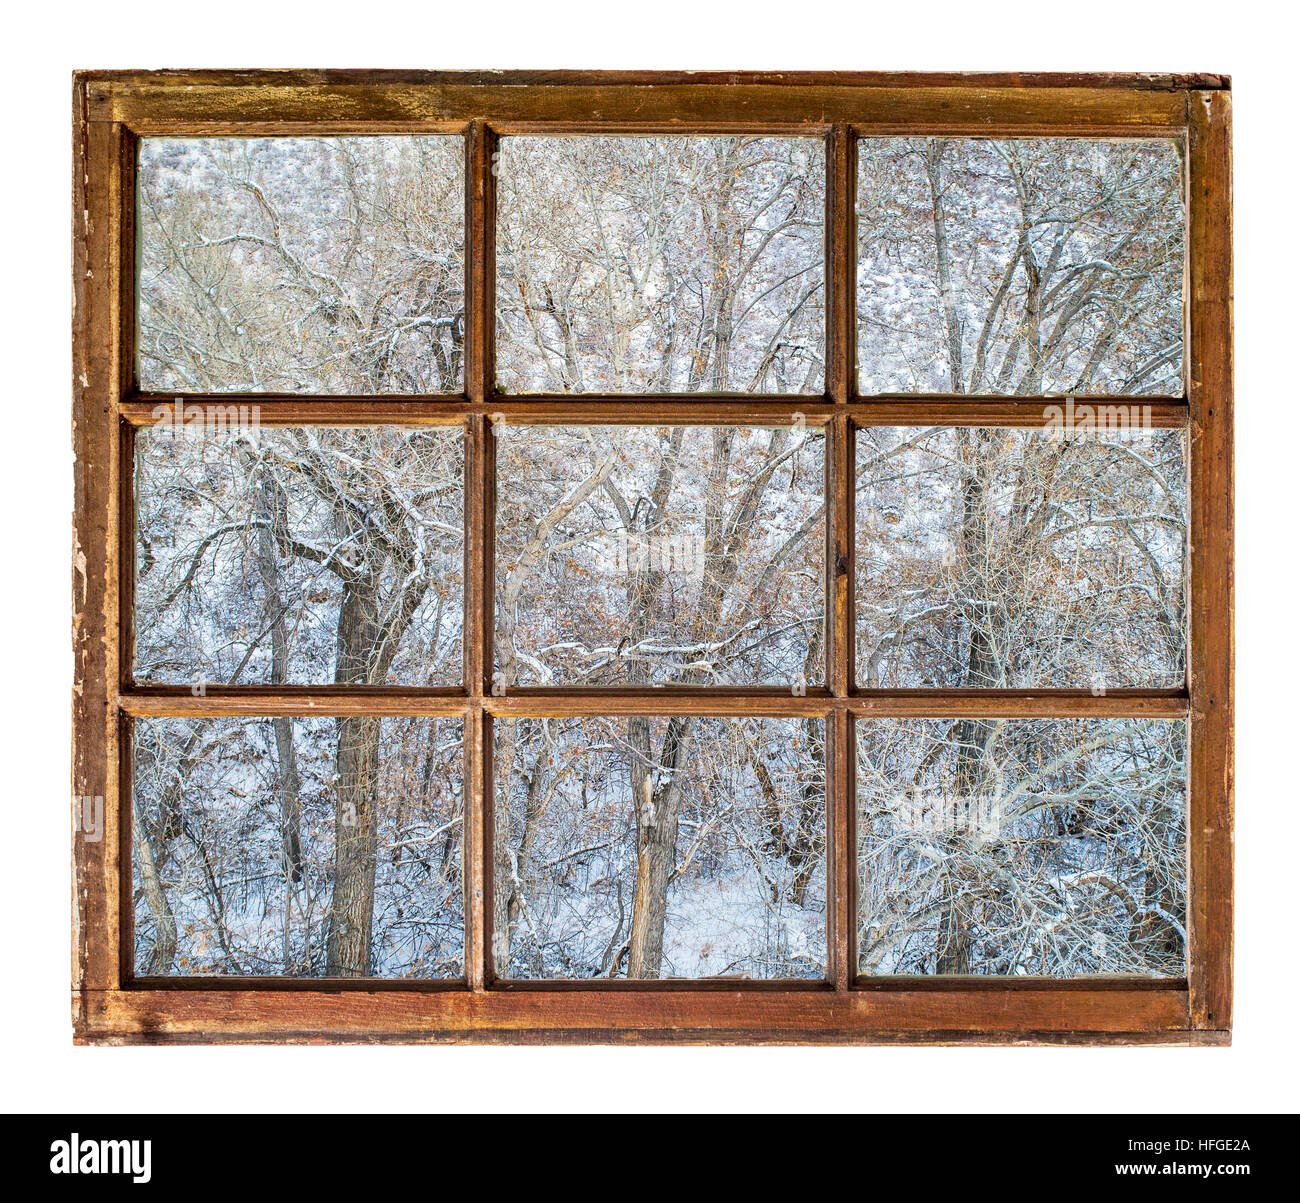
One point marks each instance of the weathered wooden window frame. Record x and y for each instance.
(112, 110)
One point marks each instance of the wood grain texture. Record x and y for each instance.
(254, 700)
(143, 410)
(666, 1016)
(477, 636)
(97, 382)
(1210, 824)
(1020, 703)
(113, 109)
(262, 700)
(841, 265)
(841, 851)
(479, 306)
(201, 102)
(249, 78)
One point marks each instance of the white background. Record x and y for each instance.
(1253, 42)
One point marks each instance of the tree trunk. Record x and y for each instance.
(347, 949)
(272, 510)
(656, 796)
(656, 811)
(805, 851)
(356, 762)
(983, 668)
(947, 296)
(656, 857)
(163, 952)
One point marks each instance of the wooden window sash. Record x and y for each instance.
(113, 110)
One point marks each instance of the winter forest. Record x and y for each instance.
(674, 846)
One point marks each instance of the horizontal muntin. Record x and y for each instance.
(143, 410)
(145, 701)
(208, 101)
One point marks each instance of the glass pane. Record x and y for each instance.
(1021, 558)
(661, 265)
(668, 555)
(299, 556)
(1052, 847)
(308, 847)
(660, 848)
(302, 265)
(1043, 265)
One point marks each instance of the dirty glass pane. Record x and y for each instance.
(1035, 265)
(660, 264)
(302, 265)
(302, 555)
(306, 847)
(684, 555)
(1053, 847)
(660, 847)
(1021, 559)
